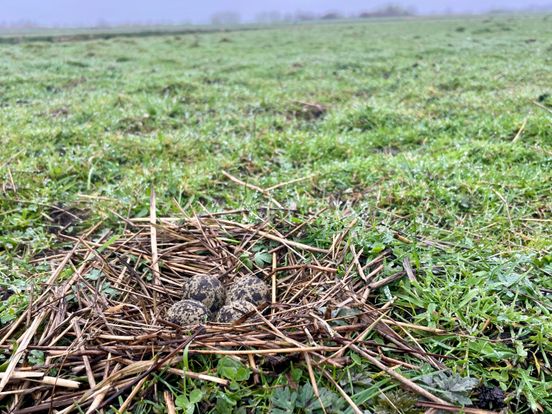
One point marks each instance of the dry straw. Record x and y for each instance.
(99, 319)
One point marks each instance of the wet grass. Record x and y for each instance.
(436, 129)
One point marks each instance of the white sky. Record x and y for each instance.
(90, 12)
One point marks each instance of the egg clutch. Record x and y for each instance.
(204, 298)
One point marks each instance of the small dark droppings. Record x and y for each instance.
(490, 398)
(5, 294)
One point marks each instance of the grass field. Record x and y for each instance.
(436, 130)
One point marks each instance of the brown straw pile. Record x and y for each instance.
(99, 319)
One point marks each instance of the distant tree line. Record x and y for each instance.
(225, 18)
(20, 24)
(390, 10)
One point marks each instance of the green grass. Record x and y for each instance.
(418, 138)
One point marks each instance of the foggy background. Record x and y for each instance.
(114, 12)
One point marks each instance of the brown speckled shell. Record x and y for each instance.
(248, 288)
(188, 312)
(234, 311)
(205, 289)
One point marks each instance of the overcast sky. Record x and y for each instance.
(91, 12)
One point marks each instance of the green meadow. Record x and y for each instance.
(435, 134)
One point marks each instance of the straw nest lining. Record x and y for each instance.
(100, 317)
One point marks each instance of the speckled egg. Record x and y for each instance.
(234, 311)
(250, 289)
(205, 289)
(188, 312)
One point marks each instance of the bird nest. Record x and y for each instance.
(98, 323)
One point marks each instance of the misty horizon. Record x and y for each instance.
(65, 13)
